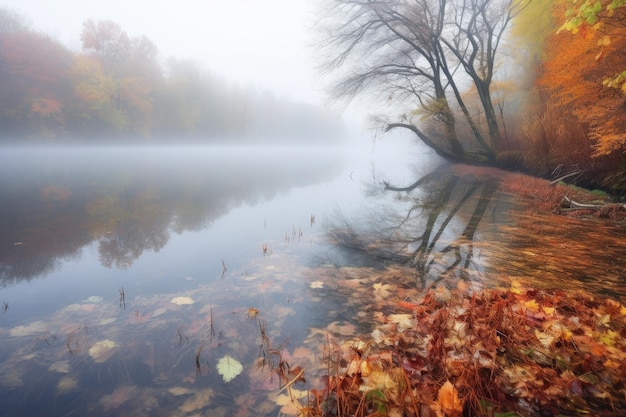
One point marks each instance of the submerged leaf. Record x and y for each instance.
(102, 350)
(28, 330)
(182, 300)
(229, 368)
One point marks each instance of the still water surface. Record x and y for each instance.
(128, 274)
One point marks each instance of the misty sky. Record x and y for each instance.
(259, 42)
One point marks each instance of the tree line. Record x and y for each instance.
(533, 85)
(117, 88)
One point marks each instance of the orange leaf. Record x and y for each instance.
(449, 401)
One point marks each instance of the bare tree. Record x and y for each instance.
(428, 51)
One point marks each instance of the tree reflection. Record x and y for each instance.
(132, 238)
(130, 201)
(431, 226)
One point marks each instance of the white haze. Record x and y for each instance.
(260, 43)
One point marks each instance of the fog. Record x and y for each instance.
(254, 43)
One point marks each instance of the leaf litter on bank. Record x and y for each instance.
(513, 350)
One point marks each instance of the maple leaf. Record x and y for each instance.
(229, 368)
(404, 321)
(381, 290)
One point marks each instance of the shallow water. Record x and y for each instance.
(127, 273)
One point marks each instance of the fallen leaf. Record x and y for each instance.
(182, 300)
(229, 368)
(102, 350)
(198, 401)
(29, 329)
(176, 391)
(404, 321)
(66, 384)
(448, 400)
(345, 329)
(62, 367)
(381, 290)
(317, 284)
(252, 313)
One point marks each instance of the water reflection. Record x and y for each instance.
(452, 225)
(130, 200)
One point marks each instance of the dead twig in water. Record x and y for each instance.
(293, 381)
(224, 269)
(212, 328)
(198, 370)
(181, 336)
(122, 298)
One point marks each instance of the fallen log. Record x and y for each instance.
(569, 205)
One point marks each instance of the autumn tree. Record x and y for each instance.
(126, 72)
(573, 77)
(423, 53)
(34, 82)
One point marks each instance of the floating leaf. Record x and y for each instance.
(94, 299)
(252, 313)
(229, 368)
(182, 300)
(317, 284)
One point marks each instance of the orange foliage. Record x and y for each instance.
(573, 76)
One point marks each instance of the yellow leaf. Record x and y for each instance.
(381, 290)
(609, 338)
(604, 41)
(532, 305)
(544, 338)
(516, 287)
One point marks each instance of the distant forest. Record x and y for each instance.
(116, 88)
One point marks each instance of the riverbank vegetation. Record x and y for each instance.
(536, 86)
(117, 87)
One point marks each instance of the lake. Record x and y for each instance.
(181, 281)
